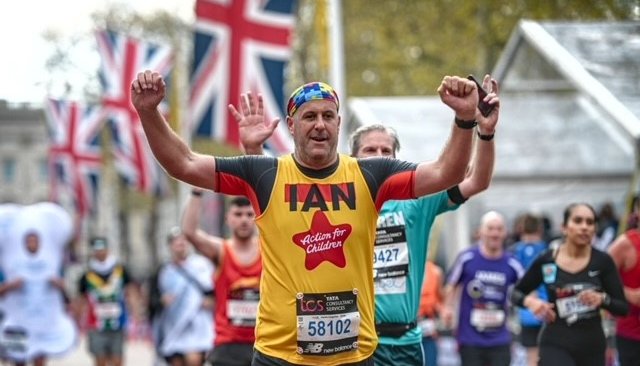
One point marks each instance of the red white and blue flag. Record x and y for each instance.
(240, 46)
(122, 57)
(75, 154)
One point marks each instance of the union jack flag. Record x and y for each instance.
(75, 154)
(240, 45)
(122, 58)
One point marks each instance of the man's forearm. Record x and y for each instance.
(481, 172)
(456, 154)
(167, 147)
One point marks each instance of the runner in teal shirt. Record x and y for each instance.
(395, 261)
(403, 234)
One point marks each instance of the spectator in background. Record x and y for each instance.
(185, 327)
(625, 252)
(607, 226)
(104, 289)
(525, 251)
(548, 233)
(632, 220)
(428, 313)
(516, 232)
(484, 274)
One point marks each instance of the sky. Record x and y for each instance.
(23, 76)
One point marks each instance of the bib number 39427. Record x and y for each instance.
(327, 323)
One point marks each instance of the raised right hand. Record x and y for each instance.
(461, 95)
(147, 91)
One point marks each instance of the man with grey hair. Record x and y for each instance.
(360, 149)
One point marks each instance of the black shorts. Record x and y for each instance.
(481, 356)
(408, 354)
(529, 336)
(179, 356)
(232, 354)
(628, 351)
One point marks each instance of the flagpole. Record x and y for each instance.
(337, 64)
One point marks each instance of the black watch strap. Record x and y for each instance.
(485, 137)
(465, 125)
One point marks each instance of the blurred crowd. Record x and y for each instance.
(111, 308)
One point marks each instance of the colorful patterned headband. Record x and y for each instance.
(311, 91)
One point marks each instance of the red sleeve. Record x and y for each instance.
(388, 178)
(398, 186)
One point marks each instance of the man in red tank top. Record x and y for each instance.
(237, 278)
(625, 252)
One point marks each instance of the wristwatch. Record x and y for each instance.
(465, 125)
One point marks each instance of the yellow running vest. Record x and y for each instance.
(317, 237)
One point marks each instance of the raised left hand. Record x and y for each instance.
(487, 125)
(253, 128)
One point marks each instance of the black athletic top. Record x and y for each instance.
(575, 322)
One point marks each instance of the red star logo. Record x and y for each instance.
(323, 242)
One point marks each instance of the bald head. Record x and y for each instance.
(493, 232)
(491, 217)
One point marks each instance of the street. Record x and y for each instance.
(137, 352)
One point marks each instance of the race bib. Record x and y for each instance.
(394, 285)
(390, 261)
(14, 340)
(571, 306)
(483, 319)
(327, 323)
(108, 310)
(242, 312)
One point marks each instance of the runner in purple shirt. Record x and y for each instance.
(484, 274)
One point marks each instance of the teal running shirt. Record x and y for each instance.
(400, 255)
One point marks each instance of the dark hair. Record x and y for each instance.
(240, 201)
(99, 242)
(356, 136)
(634, 203)
(569, 210)
(531, 224)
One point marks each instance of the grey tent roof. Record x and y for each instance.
(600, 59)
(545, 137)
